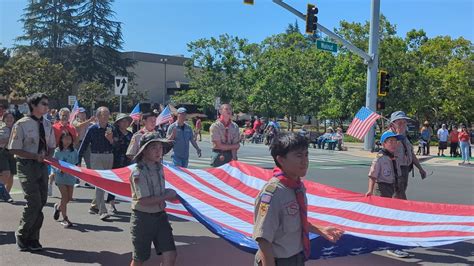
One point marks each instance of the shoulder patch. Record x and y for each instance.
(270, 188)
(265, 198)
(379, 155)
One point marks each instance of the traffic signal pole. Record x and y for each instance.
(371, 59)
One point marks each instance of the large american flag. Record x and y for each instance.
(165, 116)
(362, 123)
(222, 199)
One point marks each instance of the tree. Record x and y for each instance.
(100, 39)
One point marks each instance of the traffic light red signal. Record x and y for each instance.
(384, 83)
(311, 19)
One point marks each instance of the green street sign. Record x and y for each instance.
(327, 46)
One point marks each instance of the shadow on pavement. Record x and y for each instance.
(7, 238)
(84, 228)
(81, 256)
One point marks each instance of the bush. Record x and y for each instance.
(206, 125)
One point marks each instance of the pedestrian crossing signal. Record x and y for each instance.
(248, 2)
(384, 82)
(311, 19)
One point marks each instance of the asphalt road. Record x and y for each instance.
(108, 243)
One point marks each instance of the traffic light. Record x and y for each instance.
(380, 105)
(384, 82)
(248, 2)
(311, 19)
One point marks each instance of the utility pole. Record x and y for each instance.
(371, 59)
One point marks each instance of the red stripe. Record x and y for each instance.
(185, 213)
(123, 173)
(234, 182)
(370, 219)
(443, 233)
(222, 205)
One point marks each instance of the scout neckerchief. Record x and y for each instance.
(226, 125)
(42, 135)
(297, 186)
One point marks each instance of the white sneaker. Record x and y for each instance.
(398, 253)
(50, 190)
(104, 216)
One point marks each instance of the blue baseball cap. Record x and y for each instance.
(182, 110)
(390, 134)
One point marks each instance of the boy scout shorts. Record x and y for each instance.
(7, 161)
(295, 260)
(147, 228)
(385, 190)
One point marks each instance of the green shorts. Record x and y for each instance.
(147, 228)
(7, 162)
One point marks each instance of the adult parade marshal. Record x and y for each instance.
(32, 141)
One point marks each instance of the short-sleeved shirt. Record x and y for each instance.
(226, 135)
(443, 135)
(134, 145)
(198, 124)
(184, 134)
(147, 181)
(404, 154)
(120, 146)
(60, 128)
(69, 156)
(277, 219)
(95, 138)
(5, 133)
(382, 169)
(26, 136)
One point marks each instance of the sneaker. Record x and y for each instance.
(66, 223)
(398, 253)
(56, 212)
(50, 190)
(10, 200)
(21, 244)
(77, 185)
(35, 245)
(104, 216)
(93, 210)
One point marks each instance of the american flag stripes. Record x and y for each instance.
(164, 117)
(135, 114)
(222, 199)
(362, 123)
(74, 112)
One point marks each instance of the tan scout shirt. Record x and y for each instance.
(134, 145)
(404, 157)
(145, 182)
(382, 169)
(229, 135)
(25, 135)
(277, 219)
(4, 135)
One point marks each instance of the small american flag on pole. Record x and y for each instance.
(135, 114)
(164, 117)
(362, 122)
(74, 112)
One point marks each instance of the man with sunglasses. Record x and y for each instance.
(32, 140)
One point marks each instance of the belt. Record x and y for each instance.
(219, 151)
(149, 213)
(102, 152)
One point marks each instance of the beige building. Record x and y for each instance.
(159, 76)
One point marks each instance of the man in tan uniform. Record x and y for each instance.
(150, 124)
(281, 226)
(225, 137)
(32, 140)
(405, 155)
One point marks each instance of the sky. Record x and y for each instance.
(166, 26)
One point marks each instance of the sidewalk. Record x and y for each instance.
(357, 149)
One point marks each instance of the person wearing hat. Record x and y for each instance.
(404, 154)
(182, 134)
(384, 172)
(122, 138)
(149, 121)
(149, 221)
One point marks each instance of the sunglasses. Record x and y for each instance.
(44, 103)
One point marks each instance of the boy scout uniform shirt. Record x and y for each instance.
(25, 135)
(404, 158)
(277, 219)
(4, 134)
(218, 132)
(145, 182)
(382, 169)
(134, 145)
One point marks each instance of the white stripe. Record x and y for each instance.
(215, 214)
(413, 241)
(389, 228)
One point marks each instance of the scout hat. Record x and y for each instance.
(151, 137)
(122, 116)
(398, 115)
(182, 110)
(390, 134)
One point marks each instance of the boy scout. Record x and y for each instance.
(32, 141)
(149, 120)
(225, 137)
(384, 171)
(281, 227)
(149, 221)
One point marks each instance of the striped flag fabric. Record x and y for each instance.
(165, 116)
(74, 112)
(362, 123)
(222, 199)
(136, 112)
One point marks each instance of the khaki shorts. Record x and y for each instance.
(295, 260)
(147, 228)
(7, 162)
(385, 190)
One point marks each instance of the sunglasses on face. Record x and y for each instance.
(44, 103)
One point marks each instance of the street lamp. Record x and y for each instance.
(164, 60)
